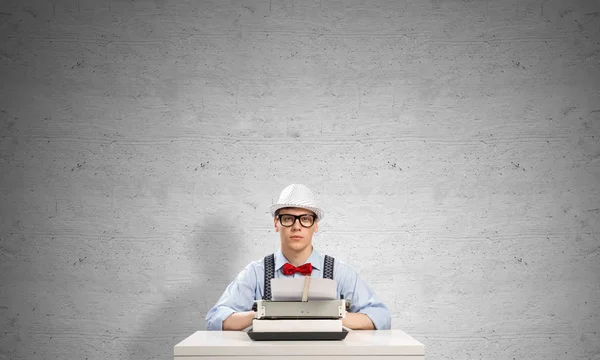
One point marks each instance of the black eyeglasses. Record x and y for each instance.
(288, 220)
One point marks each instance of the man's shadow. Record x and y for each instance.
(212, 248)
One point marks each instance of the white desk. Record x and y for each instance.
(358, 345)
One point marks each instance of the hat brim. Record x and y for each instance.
(273, 208)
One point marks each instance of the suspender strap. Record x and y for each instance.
(269, 263)
(328, 267)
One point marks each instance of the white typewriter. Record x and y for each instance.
(303, 308)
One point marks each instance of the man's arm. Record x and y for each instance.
(238, 320)
(358, 321)
(366, 311)
(234, 309)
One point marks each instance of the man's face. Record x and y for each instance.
(296, 237)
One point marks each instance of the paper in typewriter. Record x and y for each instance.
(291, 289)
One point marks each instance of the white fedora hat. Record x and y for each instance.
(299, 196)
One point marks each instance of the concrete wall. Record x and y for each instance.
(455, 145)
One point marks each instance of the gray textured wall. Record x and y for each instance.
(454, 143)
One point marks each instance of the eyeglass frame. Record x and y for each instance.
(297, 217)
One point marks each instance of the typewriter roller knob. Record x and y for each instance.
(347, 302)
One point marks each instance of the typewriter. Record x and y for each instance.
(297, 316)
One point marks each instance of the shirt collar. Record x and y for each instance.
(315, 259)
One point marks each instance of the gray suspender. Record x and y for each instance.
(269, 262)
(328, 267)
(269, 274)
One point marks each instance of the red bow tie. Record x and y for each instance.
(289, 269)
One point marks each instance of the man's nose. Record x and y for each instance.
(296, 224)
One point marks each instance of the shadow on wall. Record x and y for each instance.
(211, 251)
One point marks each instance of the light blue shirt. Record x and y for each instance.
(249, 285)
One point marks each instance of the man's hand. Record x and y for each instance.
(238, 321)
(358, 321)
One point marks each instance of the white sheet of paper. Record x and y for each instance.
(290, 289)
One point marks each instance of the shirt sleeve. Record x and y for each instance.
(362, 298)
(237, 297)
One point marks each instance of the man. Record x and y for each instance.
(296, 218)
